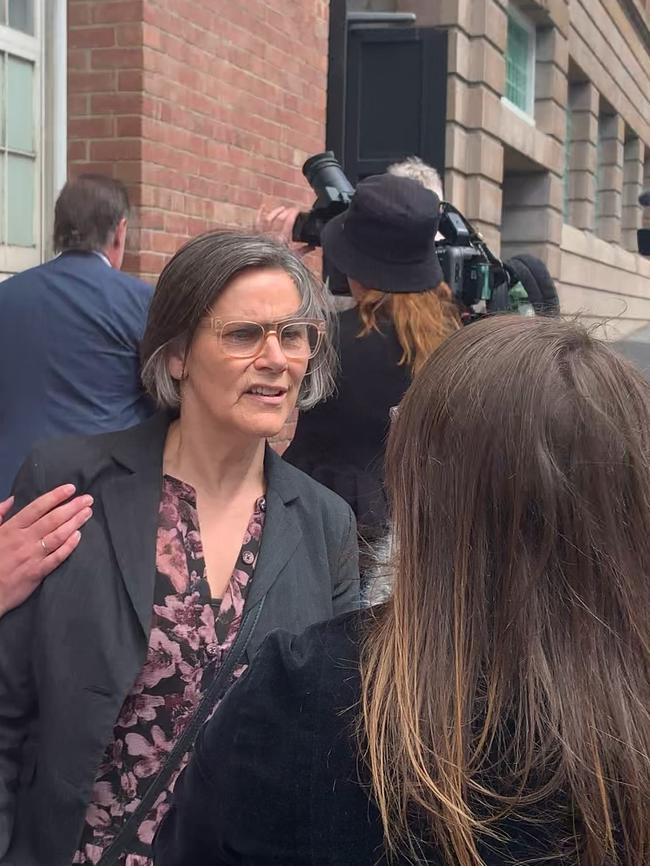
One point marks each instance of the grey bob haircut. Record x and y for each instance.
(189, 286)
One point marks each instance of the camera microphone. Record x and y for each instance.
(644, 198)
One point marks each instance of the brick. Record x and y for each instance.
(79, 13)
(116, 149)
(90, 81)
(130, 34)
(77, 150)
(117, 12)
(91, 37)
(92, 168)
(207, 109)
(78, 59)
(77, 104)
(115, 103)
(117, 58)
(129, 127)
(130, 79)
(91, 127)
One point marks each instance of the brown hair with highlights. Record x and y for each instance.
(509, 677)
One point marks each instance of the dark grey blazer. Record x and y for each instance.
(70, 654)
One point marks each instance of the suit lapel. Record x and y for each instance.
(131, 503)
(132, 500)
(280, 539)
(282, 532)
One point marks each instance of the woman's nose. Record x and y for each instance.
(271, 355)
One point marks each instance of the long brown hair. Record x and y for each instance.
(422, 320)
(510, 674)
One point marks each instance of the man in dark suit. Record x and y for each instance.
(70, 330)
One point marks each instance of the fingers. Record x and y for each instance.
(286, 220)
(41, 506)
(278, 222)
(272, 215)
(54, 559)
(60, 516)
(60, 536)
(264, 218)
(5, 506)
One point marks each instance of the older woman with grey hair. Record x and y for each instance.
(202, 541)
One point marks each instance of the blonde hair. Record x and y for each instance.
(422, 320)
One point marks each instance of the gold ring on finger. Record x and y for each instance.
(45, 548)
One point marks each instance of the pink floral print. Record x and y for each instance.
(190, 635)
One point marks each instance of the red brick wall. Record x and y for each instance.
(206, 108)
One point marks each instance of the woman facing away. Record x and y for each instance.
(384, 245)
(202, 541)
(497, 709)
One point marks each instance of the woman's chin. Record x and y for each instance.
(266, 425)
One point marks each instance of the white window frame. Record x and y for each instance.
(16, 258)
(529, 26)
(55, 116)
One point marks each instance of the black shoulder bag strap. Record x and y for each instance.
(215, 692)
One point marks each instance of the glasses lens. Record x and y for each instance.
(241, 339)
(299, 339)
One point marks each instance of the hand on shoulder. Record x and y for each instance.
(37, 540)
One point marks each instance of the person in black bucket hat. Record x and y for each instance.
(384, 244)
(385, 239)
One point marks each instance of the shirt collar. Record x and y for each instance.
(104, 258)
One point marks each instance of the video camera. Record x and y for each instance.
(480, 282)
(333, 195)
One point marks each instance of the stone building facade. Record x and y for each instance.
(550, 159)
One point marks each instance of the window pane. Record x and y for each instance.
(20, 98)
(3, 111)
(21, 15)
(517, 57)
(20, 200)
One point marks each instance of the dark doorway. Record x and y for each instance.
(387, 88)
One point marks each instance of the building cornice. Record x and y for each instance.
(639, 19)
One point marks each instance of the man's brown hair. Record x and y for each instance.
(88, 211)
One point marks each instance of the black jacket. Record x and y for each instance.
(341, 442)
(275, 776)
(70, 654)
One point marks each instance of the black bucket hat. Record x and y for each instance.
(385, 239)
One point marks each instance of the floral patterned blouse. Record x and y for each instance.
(190, 636)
